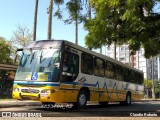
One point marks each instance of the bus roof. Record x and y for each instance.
(58, 43)
(45, 44)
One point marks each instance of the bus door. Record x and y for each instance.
(70, 70)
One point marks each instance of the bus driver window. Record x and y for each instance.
(70, 67)
(66, 74)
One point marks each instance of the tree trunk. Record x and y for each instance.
(101, 50)
(129, 58)
(76, 24)
(153, 88)
(76, 30)
(138, 59)
(147, 76)
(50, 19)
(132, 59)
(114, 47)
(35, 20)
(89, 10)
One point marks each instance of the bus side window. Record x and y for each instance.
(140, 78)
(126, 74)
(86, 64)
(116, 74)
(99, 67)
(70, 67)
(120, 74)
(132, 77)
(109, 70)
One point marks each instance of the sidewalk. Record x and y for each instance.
(150, 99)
(16, 103)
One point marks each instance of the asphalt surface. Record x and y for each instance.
(137, 109)
(93, 111)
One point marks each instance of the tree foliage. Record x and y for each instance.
(157, 87)
(149, 84)
(21, 36)
(75, 8)
(125, 21)
(5, 51)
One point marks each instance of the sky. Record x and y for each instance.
(21, 12)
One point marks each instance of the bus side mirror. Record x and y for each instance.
(15, 59)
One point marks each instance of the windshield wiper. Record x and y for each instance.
(42, 57)
(32, 57)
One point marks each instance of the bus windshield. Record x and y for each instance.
(39, 65)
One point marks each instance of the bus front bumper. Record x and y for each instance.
(25, 96)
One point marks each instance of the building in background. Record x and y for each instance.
(138, 60)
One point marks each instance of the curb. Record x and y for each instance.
(18, 104)
(150, 99)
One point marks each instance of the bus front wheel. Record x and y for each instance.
(81, 100)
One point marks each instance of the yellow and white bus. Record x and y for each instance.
(58, 71)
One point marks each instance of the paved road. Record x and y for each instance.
(147, 108)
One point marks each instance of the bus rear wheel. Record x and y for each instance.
(81, 100)
(128, 100)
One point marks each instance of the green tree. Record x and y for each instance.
(125, 21)
(57, 13)
(5, 51)
(157, 88)
(21, 37)
(75, 9)
(149, 84)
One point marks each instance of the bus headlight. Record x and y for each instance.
(16, 89)
(48, 91)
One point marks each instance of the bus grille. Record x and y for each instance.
(29, 91)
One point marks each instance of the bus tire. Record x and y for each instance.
(128, 99)
(81, 100)
(103, 103)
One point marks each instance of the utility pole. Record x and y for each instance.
(153, 88)
(35, 20)
(50, 19)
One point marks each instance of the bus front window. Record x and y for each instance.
(26, 65)
(39, 65)
(49, 64)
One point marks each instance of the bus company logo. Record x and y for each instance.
(6, 114)
(81, 81)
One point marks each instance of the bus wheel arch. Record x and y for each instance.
(82, 98)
